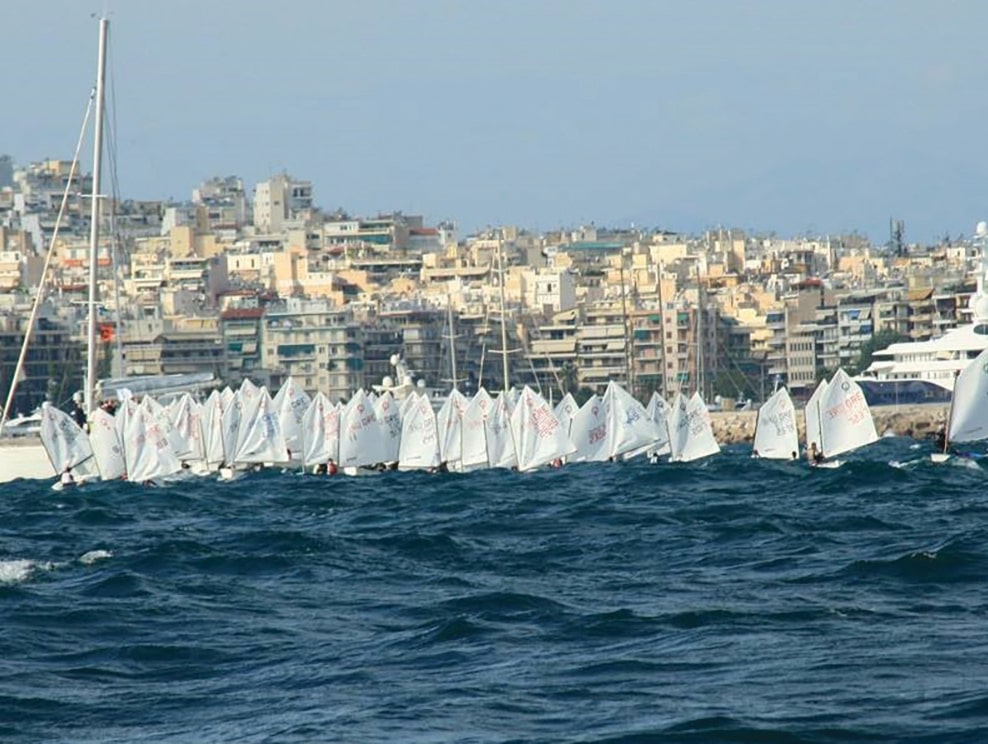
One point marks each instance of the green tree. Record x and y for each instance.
(569, 378)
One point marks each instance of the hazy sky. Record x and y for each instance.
(786, 115)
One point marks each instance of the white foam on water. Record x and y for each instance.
(92, 556)
(20, 569)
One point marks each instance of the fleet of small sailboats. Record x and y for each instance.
(234, 431)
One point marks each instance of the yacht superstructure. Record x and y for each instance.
(927, 369)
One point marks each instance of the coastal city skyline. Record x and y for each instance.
(538, 370)
(814, 120)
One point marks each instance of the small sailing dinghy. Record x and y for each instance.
(691, 434)
(844, 418)
(968, 417)
(775, 429)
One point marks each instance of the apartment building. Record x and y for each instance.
(52, 368)
(602, 346)
(241, 333)
(314, 342)
(548, 291)
(280, 200)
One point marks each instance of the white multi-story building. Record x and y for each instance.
(549, 290)
(280, 199)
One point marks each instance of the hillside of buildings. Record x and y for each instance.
(263, 283)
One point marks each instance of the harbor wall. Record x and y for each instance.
(917, 421)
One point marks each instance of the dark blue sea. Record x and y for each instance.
(727, 601)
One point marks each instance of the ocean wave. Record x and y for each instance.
(949, 563)
(92, 556)
(729, 601)
(15, 571)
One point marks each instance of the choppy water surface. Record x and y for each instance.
(732, 600)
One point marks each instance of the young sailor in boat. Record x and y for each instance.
(814, 455)
(67, 479)
(326, 468)
(942, 444)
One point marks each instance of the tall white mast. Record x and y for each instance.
(90, 382)
(452, 341)
(504, 320)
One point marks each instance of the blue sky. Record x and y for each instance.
(785, 115)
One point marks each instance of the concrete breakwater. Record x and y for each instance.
(917, 421)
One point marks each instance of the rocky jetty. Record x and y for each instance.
(917, 421)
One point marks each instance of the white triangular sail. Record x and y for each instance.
(474, 431)
(539, 437)
(147, 449)
(321, 431)
(233, 413)
(811, 413)
(694, 436)
(678, 430)
(419, 447)
(389, 414)
(291, 402)
(968, 420)
(630, 429)
(186, 419)
(500, 439)
(407, 403)
(65, 442)
(127, 408)
(657, 411)
(588, 431)
(107, 446)
(252, 399)
(845, 418)
(565, 410)
(362, 440)
(260, 439)
(775, 428)
(450, 419)
(162, 417)
(212, 430)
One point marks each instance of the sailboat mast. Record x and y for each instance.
(629, 353)
(504, 320)
(90, 382)
(662, 334)
(700, 357)
(452, 342)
